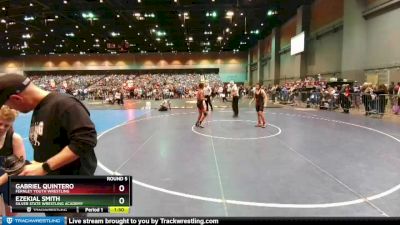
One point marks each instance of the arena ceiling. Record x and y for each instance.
(41, 27)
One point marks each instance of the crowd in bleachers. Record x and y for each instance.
(309, 92)
(143, 86)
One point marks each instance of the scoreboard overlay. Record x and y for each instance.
(94, 194)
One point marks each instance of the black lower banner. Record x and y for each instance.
(224, 220)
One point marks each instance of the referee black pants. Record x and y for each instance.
(208, 102)
(235, 105)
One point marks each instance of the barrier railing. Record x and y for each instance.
(372, 104)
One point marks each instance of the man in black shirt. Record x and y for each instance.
(61, 132)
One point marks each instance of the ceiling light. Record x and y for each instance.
(227, 29)
(229, 13)
(161, 33)
(77, 27)
(104, 26)
(262, 24)
(31, 4)
(3, 8)
(101, 1)
(49, 20)
(51, 30)
(26, 36)
(139, 1)
(29, 18)
(211, 14)
(186, 15)
(65, 1)
(70, 34)
(88, 15)
(272, 12)
(56, 16)
(130, 26)
(205, 43)
(117, 15)
(219, 38)
(3, 21)
(114, 34)
(136, 14)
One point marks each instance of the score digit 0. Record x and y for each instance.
(121, 188)
(121, 200)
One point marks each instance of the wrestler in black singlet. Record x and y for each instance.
(259, 101)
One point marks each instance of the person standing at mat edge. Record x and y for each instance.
(61, 132)
(260, 99)
(200, 106)
(235, 99)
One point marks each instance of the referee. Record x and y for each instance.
(207, 94)
(235, 99)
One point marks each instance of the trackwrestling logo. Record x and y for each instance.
(34, 220)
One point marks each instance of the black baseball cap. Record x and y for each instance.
(11, 84)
